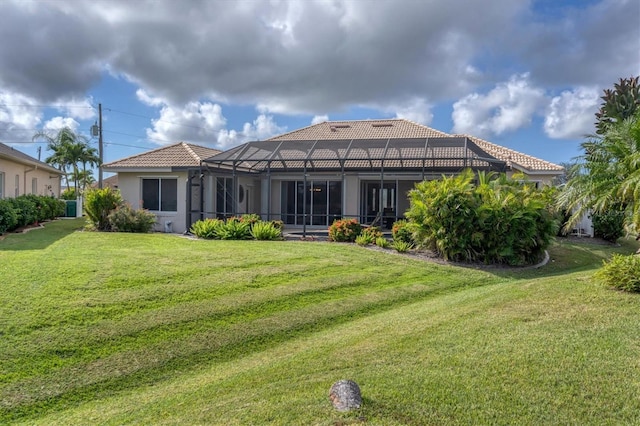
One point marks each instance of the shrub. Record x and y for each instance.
(26, 210)
(42, 207)
(382, 242)
(344, 230)
(621, 272)
(265, 231)
(400, 231)
(126, 219)
(206, 228)
(401, 246)
(250, 218)
(234, 229)
(608, 225)
(57, 207)
(372, 231)
(365, 239)
(98, 204)
(69, 194)
(8, 216)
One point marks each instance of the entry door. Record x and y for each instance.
(376, 199)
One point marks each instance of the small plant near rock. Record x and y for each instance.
(266, 231)
(364, 239)
(344, 230)
(621, 272)
(402, 246)
(382, 242)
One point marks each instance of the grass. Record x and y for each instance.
(105, 328)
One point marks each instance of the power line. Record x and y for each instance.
(156, 120)
(48, 106)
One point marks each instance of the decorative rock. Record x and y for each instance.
(345, 395)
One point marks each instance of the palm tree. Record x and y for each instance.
(69, 149)
(607, 176)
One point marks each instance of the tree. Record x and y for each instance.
(69, 150)
(608, 175)
(620, 103)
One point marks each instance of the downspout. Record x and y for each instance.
(304, 202)
(24, 191)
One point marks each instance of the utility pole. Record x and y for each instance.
(96, 130)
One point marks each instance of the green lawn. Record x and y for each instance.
(106, 328)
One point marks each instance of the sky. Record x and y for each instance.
(525, 74)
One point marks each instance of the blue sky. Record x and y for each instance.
(520, 73)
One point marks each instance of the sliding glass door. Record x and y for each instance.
(319, 202)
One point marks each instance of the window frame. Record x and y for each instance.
(161, 194)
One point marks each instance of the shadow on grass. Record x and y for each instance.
(40, 238)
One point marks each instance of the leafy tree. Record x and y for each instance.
(608, 175)
(620, 103)
(69, 150)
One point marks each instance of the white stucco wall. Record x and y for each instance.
(46, 183)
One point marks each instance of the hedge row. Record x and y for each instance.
(28, 209)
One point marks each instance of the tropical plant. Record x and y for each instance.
(621, 272)
(98, 204)
(126, 219)
(69, 194)
(344, 230)
(265, 231)
(8, 216)
(234, 230)
(365, 239)
(608, 225)
(382, 242)
(69, 149)
(401, 231)
(206, 228)
(401, 246)
(620, 103)
(608, 176)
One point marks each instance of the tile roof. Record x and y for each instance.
(398, 128)
(178, 155)
(20, 157)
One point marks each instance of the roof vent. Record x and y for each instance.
(382, 125)
(335, 127)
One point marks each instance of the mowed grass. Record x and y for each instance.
(158, 329)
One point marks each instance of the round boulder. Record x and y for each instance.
(345, 395)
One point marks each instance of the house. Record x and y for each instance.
(22, 174)
(160, 181)
(311, 176)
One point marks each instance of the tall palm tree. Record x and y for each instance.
(607, 175)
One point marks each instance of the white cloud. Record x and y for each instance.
(149, 100)
(319, 119)
(418, 110)
(571, 115)
(56, 123)
(82, 109)
(19, 116)
(197, 122)
(508, 107)
(263, 127)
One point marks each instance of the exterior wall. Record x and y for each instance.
(46, 183)
(130, 185)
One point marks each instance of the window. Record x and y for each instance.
(1, 185)
(34, 185)
(160, 194)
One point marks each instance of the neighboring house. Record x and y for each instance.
(311, 176)
(22, 174)
(109, 182)
(159, 181)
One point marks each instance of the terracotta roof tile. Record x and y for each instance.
(181, 154)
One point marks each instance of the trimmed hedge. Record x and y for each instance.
(28, 209)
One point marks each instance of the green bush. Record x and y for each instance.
(401, 246)
(57, 208)
(250, 218)
(234, 229)
(8, 216)
(98, 204)
(265, 231)
(42, 207)
(344, 230)
(365, 239)
(126, 219)
(207, 228)
(382, 242)
(608, 225)
(69, 194)
(497, 220)
(400, 231)
(621, 272)
(26, 209)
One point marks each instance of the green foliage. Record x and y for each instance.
(620, 103)
(365, 239)
(250, 218)
(344, 230)
(401, 231)
(401, 246)
(8, 216)
(497, 220)
(371, 231)
(69, 194)
(98, 204)
(234, 229)
(126, 219)
(621, 272)
(56, 207)
(608, 225)
(207, 228)
(266, 231)
(26, 208)
(382, 242)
